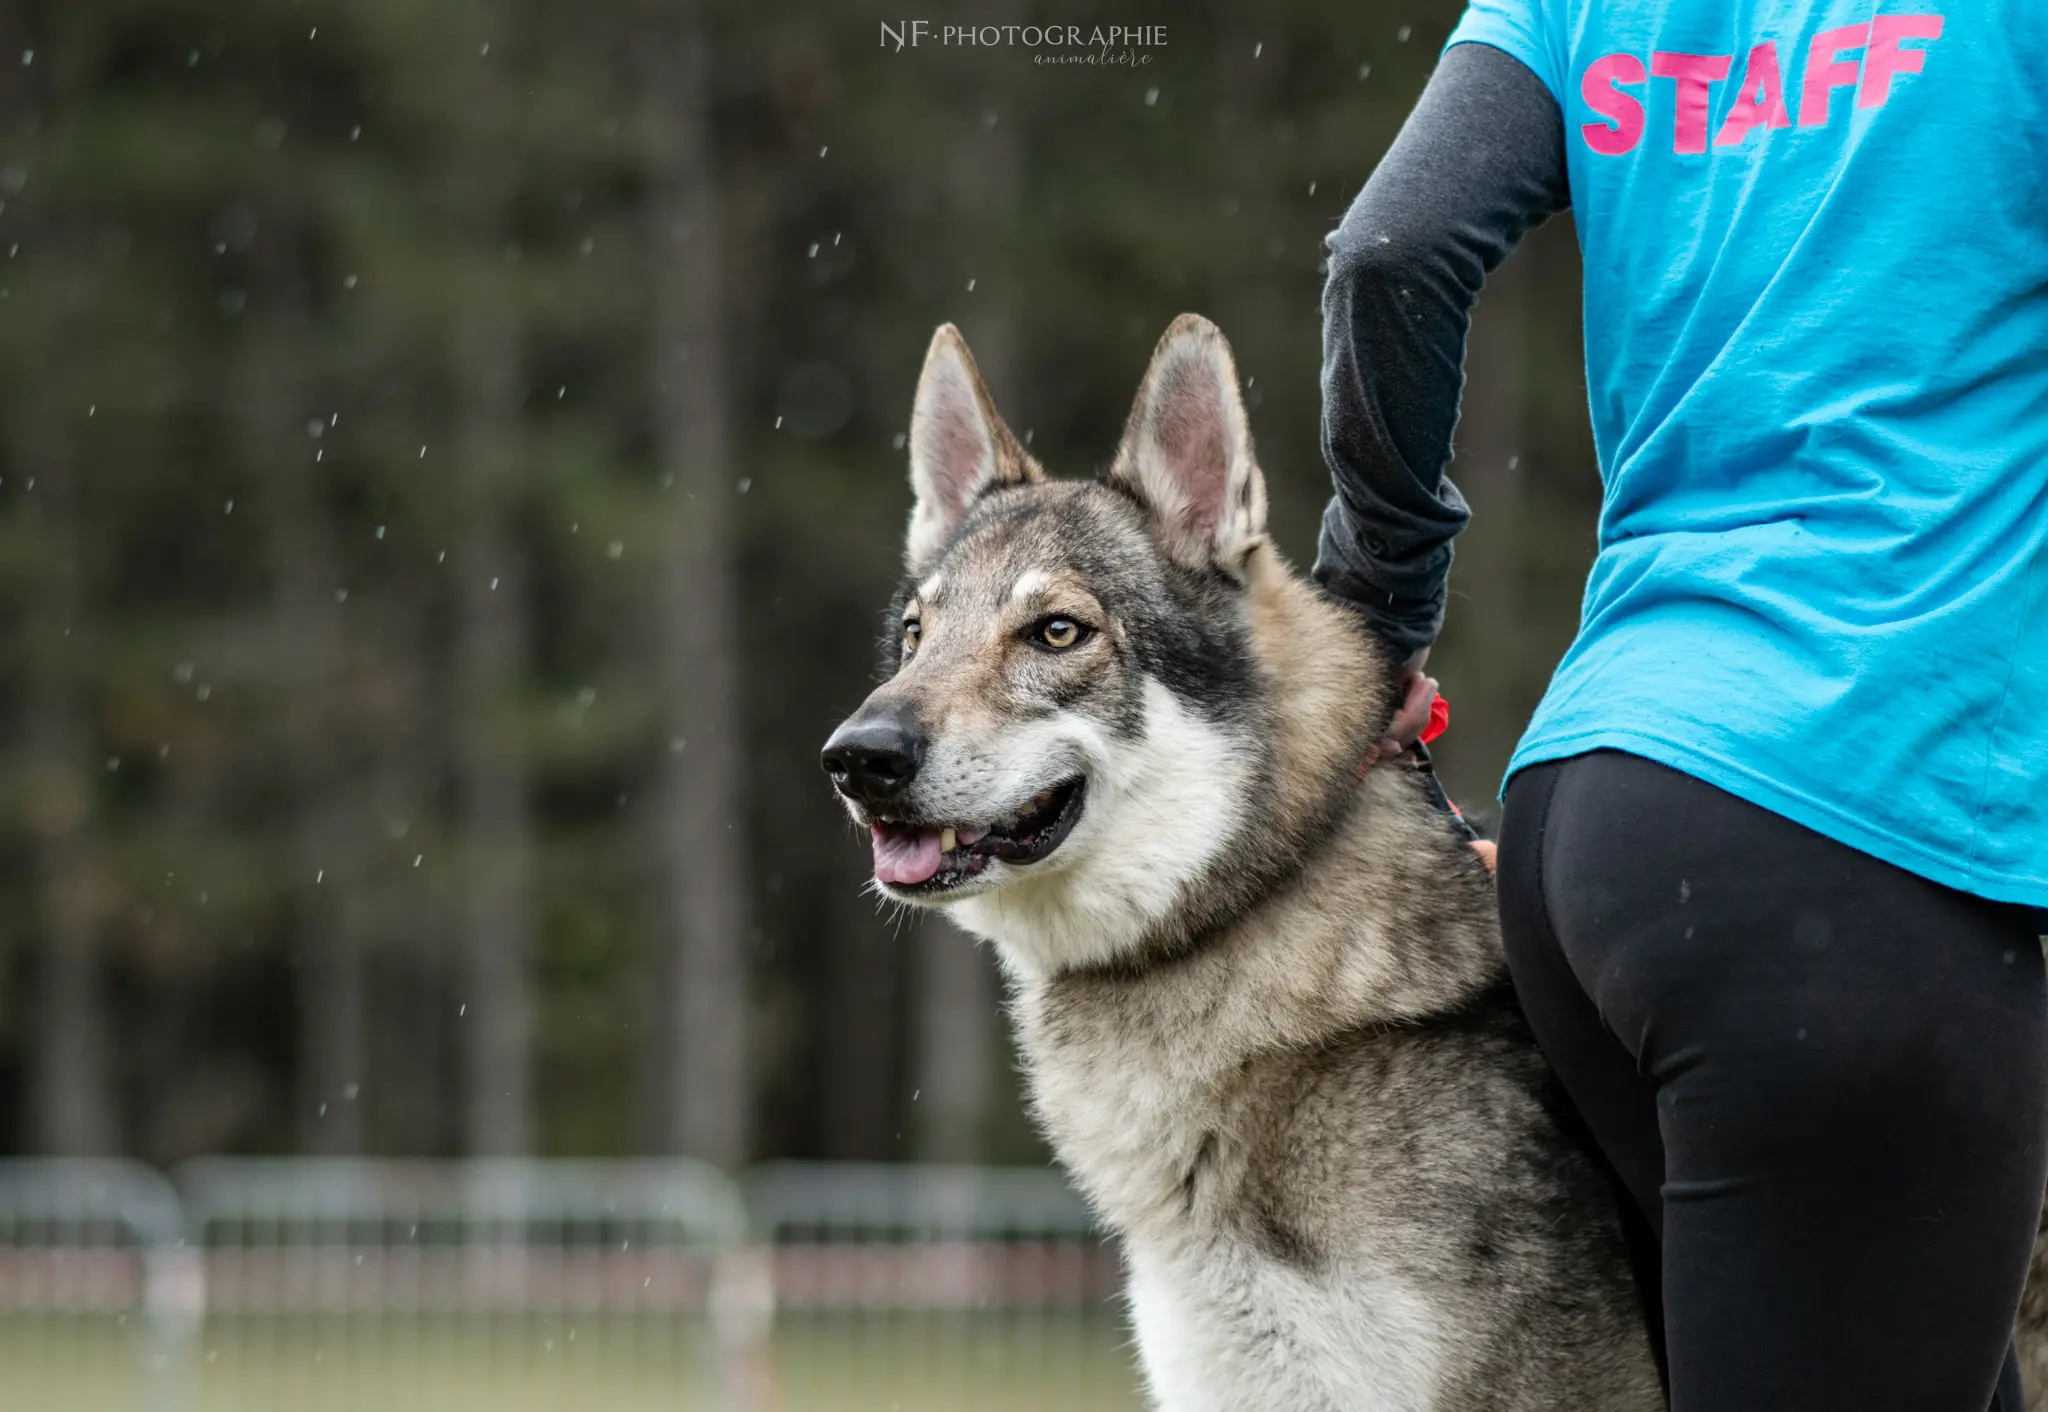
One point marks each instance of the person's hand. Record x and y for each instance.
(1417, 691)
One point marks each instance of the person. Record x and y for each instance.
(1772, 845)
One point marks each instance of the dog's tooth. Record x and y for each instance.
(947, 838)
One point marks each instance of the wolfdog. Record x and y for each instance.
(1260, 989)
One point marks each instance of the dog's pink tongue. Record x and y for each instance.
(904, 856)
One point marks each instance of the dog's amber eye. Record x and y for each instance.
(911, 631)
(1060, 633)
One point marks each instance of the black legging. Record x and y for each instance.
(1823, 1080)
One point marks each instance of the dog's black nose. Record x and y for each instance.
(874, 757)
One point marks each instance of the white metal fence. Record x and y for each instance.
(921, 1288)
(333, 1286)
(99, 1295)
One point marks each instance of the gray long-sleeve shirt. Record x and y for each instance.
(1479, 163)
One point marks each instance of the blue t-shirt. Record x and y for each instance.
(1815, 236)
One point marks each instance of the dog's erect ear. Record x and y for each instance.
(1187, 451)
(959, 448)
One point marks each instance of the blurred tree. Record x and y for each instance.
(702, 1025)
(490, 596)
(75, 1109)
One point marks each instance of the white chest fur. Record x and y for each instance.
(1223, 1325)
(1228, 1329)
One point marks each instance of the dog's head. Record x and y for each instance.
(1092, 739)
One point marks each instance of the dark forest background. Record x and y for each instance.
(451, 464)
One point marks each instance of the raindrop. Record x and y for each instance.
(113, 764)
(614, 550)
(229, 508)
(348, 281)
(417, 858)
(675, 745)
(1258, 49)
(745, 483)
(323, 1113)
(1401, 34)
(341, 595)
(1311, 188)
(319, 877)
(897, 441)
(1363, 70)
(192, 60)
(28, 56)
(1151, 97)
(313, 33)
(315, 427)
(815, 400)
(494, 585)
(380, 531)
(423, 453)
(814, 251)
(822, 151)
(588, 244)
(355, 132)
(349, 1091)
(484, 49)
(561, 392)
(462, 1009)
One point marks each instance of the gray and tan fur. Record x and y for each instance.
(1262, 1000)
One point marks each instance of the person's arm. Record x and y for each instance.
(1479, 162)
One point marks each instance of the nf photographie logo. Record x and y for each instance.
(1047, 44)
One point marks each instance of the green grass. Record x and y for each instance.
(852, 1363)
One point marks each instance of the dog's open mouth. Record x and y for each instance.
(932, 857)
